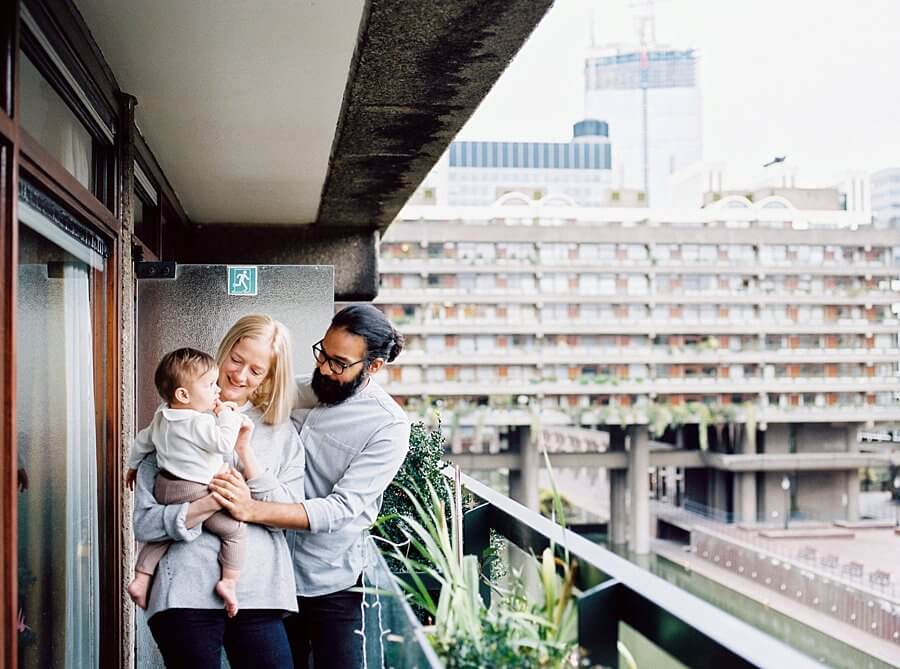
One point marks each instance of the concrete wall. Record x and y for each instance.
(771, 497)
(817, 495)
(776, 439)
(816, 438)
(821, 494)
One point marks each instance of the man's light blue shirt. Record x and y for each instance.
(353, 451)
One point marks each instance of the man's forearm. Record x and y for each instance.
(279, 514)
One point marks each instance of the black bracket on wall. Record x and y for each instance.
(163, 269)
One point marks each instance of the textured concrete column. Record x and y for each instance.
(638, 463)
(618, 493)
(523, 484)
(745, 491)
(131, 635)
(852, 475)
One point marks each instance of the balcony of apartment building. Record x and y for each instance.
(188, 141)
(142, 140)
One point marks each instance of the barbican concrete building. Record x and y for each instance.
(757, 339)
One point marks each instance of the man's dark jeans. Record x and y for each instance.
(327, 626)
(194, 638)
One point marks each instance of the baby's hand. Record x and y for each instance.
(246, 425)
(221, 406)
(130, 477)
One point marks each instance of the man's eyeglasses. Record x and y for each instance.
(336, 366)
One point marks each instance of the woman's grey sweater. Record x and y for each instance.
(188, 572)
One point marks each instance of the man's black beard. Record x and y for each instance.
(334, 392)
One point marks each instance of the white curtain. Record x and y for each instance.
(82, 587)
(57, 444)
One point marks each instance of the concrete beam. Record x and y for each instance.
(782, 462)
(419, 71)
(605, 460)
(693, 459)
(352, 251)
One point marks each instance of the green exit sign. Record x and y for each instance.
(242, 279)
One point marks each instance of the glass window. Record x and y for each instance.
(47, 118)
(636, 251)
(637, 284)
(59, 419)
(606, 284)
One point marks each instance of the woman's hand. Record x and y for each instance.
(250, 466)
(230, 490)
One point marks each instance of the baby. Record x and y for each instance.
(190, 444)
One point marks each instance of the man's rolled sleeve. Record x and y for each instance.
(154, 521)
(365, 480)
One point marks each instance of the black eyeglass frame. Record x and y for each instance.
(321, 357)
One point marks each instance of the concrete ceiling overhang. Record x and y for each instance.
(288, 112)
(420, 70)
(269, 115)
(238, 100)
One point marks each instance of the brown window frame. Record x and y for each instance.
(22, 157)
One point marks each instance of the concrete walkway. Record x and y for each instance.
(878, 648)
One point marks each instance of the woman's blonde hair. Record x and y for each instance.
(274, 396)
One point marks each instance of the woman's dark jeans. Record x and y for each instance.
(194, 638)
(328, 626)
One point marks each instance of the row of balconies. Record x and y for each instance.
(647, 327)
(513, 264)
(701, 319)
(563, 314)
(578, 355)
(427, 294)
(687, 386)
(426, 267)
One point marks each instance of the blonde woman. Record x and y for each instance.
(187, 619)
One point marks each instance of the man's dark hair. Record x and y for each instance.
(368, 322)
(178, 367)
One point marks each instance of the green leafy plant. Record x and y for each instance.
(421, 468)
(659, 417)
(422, 520)
(514, 632)
(547, 503)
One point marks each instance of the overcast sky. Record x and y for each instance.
(815, 80)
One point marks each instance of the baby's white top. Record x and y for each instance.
(188, 444)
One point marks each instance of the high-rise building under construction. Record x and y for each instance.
(650, 97)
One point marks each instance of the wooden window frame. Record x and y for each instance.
(105, 116)
(107, 385)
(9, 46)
(21, 156)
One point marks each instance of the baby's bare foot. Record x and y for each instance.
(139, 588)
(227, 590)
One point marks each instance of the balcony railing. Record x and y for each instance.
(611, 591)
